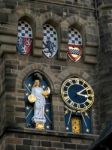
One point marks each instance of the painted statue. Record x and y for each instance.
(38, 97)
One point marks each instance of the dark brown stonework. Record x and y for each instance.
(45, 140)
(95, 67)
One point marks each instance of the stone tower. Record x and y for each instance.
(104, 57)
(62, 15)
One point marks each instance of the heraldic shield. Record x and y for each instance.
(50, 43)
(24, 38)
(74, 44)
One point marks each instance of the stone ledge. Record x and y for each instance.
(64, 4)
(106, 6)
(7, 39)
(52, 133)
(8, 48)
(4, 30)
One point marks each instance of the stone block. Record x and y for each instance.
(91, 51)
(92, 40)
(63, 55)
(69, 146)
(26, 142)
(64, 27)
(37, 52)
(90, 59)
(38, 43)
(8, 39)
(3, 17)
(8, 48)
(45, 144)
(37, 148)
(64, 35)
(10, 120)
(35, 143)
(13, 140)
(69, 1)
(20, 114)
(22, 147)
(10, 147)
(64, 47)
(20, 120)
(10, 83)
(82, 147)
(11, 5)
(20, 109)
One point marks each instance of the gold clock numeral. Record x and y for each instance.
(90, 95)
(71, 103)
(84, 84)
(70, 81)
(78, 106)
(66, 99)
(65, 85)
(90, 98)
(65, 92)
(85, 106)
(87, 89)
(77, 81)
(89, 101)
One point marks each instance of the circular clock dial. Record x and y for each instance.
(77, 94)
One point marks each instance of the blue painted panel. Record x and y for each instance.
(85, 121)
(28, 82)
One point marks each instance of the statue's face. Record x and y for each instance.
(37, 82)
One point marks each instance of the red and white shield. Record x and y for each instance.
(24, 38)
(74, 52)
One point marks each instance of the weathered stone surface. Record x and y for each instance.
(46, 141)
(105, 54)
(97, 49)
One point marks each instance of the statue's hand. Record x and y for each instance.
(31, 98)
(48, 90)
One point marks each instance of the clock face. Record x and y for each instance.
(77, 94)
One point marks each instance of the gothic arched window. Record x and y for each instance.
(38, 107)
(50, 41)
(24, 38)
(74, 44)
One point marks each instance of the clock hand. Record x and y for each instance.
(81, 94)
(81, 91)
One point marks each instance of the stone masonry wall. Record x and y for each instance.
(13, 3)
(32, 140)
(2, 104)
(2, 97)
(105, 62)
(62, 15)
(17, 67)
